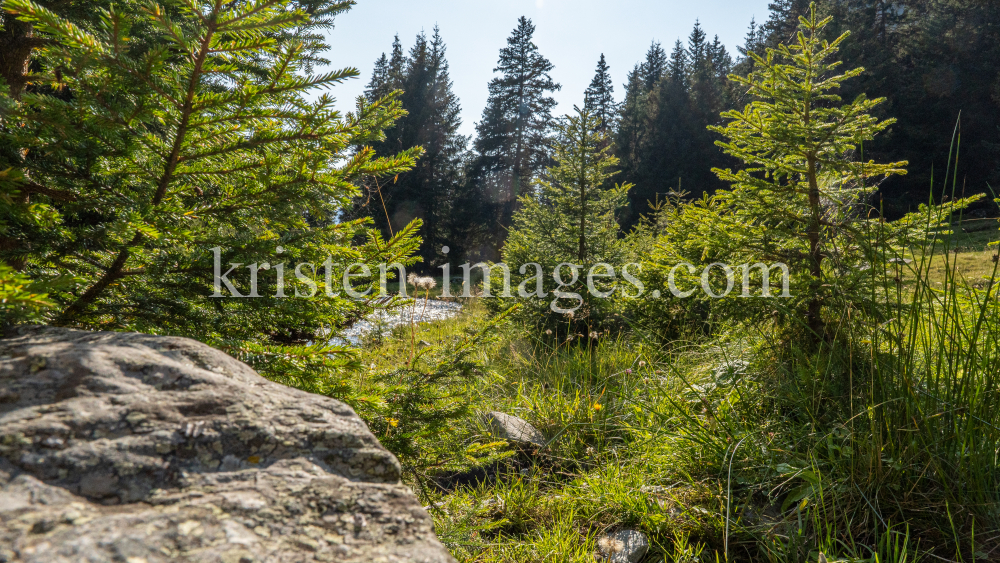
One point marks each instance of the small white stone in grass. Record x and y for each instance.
(513, 428)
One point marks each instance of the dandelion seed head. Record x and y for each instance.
(593, 335)
(411, 279)
(610, 546)
(426, 282)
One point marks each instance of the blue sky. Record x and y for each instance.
(571, 33)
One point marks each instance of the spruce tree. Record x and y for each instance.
(635, 138)
(572, 219)
(697, 49)
(513, 135)
(20, 44)
(20, 40)
(708, 66)
(677, 67)
(397, 62)
(709, 96)
(928, 83)
(654, 66)
(661, 139)
(439, 173)
(754, 42)
(783, 20)
(172, 139)
(599, 98)
(722, 62)
(672, 160)
(431, 121)
(796, 198)
(629, 136)
(380, 84)
(667, 158)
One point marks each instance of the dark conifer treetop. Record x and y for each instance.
(697, 47)
(783, 21)
(678, 65)
(661, 139)
(379, 84)
(599, 99)
(654, 66)
(429, 191)
(513, 135)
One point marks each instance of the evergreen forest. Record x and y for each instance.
(741, 307)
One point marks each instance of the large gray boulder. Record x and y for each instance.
(144, 449)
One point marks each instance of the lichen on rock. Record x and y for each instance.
(129, 447)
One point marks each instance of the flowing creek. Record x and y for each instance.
(420, 311)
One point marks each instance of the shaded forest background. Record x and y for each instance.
(934, 60)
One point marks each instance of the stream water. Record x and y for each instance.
(421, 311)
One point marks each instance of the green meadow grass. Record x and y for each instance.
(878, 448)
(972, 253)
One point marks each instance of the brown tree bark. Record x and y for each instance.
(814, 317)
(17, 41)
(116, 270)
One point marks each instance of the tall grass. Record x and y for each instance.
(879, 445)
(933, 404)
(894, 426)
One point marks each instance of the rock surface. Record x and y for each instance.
(623, 546)
(145, 449)
(509, 427)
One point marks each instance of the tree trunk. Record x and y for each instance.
(116, 270)
(17, 40)
(814, 316)
(583, 205)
